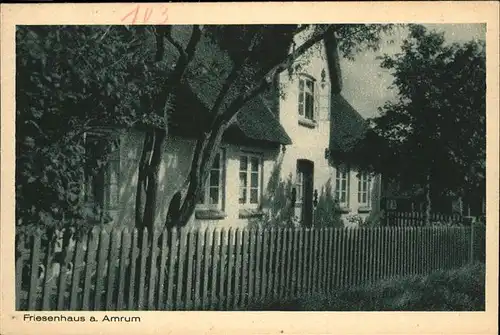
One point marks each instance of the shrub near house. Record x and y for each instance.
(327, 212)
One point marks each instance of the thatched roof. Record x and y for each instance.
(258, 120)
(347, 125)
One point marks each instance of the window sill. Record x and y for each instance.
(364, 209)
(344, 210)
(250, 213)
(307, 122)
(209, 214)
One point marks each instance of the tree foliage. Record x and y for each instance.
(433, 134)
(70, 79)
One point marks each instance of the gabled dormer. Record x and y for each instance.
(306, 89)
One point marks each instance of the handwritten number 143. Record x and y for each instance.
(146, 15)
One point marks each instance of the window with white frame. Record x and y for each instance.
(213, 194)
(364, 187)
(250, 179)
(306, 97)
(342, 186)
(101, 191)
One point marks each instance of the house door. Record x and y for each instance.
(305, 174)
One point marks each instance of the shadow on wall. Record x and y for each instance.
(279, 209)
(128, 190)
(173, 169)
(277, 203)
(173, 173)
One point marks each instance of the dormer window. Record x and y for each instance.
(306, 100)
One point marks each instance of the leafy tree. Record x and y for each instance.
(434, 134)
(69, 79)
(73, 78)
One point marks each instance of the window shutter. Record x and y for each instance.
(315, 102)
(325, 110)
(321, 103)
(324, 104)
(301, 97)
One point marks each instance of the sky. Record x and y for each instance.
(365, 83)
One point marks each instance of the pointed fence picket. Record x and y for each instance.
(416, 219)
(226, 269)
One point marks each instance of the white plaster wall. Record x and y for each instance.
(310, 143)
(130, 152)
(307, 143)
(175, 166)
(303, 137)
(173, 171)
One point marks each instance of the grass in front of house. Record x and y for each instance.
(460, 289)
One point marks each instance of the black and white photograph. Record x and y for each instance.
(225, 167)
(313, 167)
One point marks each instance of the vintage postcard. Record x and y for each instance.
(260, 168)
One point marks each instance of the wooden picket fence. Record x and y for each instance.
(226, 269)
(400, 219)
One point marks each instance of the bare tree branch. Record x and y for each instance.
(185, 55)
(191, 46)
(290, 59)
(268, 78)
(167, 93)
(160, 45)
(204, 149)
(177, 45)
(34, 124)
(229, 114)
(105, 33)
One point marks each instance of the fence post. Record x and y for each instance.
(35, 257)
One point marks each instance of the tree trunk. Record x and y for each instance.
(152, 180)
(428, 201)
(140, 197)
(206, 147)
(196, 182)
(147, 183)
(204, 154)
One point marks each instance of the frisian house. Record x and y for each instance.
(284, 134)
